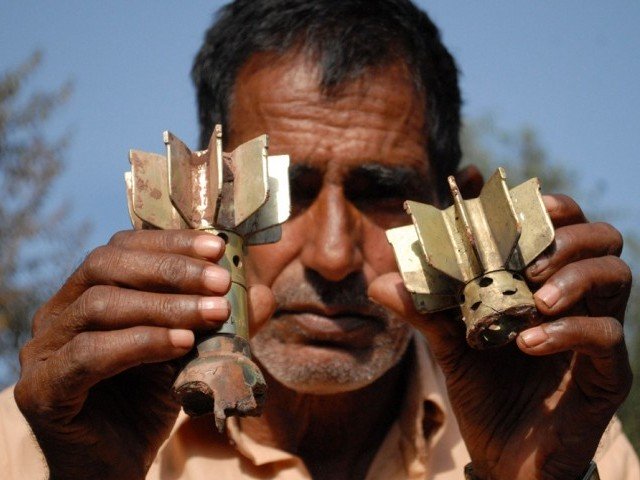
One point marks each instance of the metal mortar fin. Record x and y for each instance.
(136, 222)
(243, 197)
(193, 183)
(149, 192)
(277, 207)
(446, 253)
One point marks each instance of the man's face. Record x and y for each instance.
(356, 156)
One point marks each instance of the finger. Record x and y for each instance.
(106, 308)
(95, 356)
(606, 372)
(445, 334)
(192, 243)
(150, 271)
(563, 210)
(573, 243)
(602, 283)
(592, 336)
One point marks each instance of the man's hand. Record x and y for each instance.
(537, 408)
(96, 377)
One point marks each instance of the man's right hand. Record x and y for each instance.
(96, 377)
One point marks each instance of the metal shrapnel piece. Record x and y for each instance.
(243, 197)
(221, 379)
(194, 180)
(472, 254)
(149, 197)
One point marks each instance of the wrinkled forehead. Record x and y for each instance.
(377, 117)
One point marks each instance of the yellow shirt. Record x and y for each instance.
(423, 443)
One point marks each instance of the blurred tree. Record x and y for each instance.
(37, 243)
(523, 157)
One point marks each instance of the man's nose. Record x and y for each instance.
(333, 235)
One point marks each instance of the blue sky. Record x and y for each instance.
(570, 69)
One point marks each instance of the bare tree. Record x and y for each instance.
(36, 239)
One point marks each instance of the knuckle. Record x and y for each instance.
(171, 241)
(94, 303)
(615, 241)
(566, 240)
(141, 337)
(627, 275)
(96, 261)
(570, 276)
(79, 353)
(23, 395)
(177, 240)
(623, 275)
(170, 308)
(38, 320)
(173, 268)
(34, 399)
(120, 238)
(25, 355)
(614, 332)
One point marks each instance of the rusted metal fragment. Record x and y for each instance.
(136, 221)
(496, 307)
(251, 181)
(530, 209)
(193, 190)
(221, 379)
(470, 254)
(277, 207)
(430, 291)
(241, 197)
(269, 235)
(150, 191)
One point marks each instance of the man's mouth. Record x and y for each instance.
(324, 326)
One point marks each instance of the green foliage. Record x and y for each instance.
(523, 157)
(36, 240)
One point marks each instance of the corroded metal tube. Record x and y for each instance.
(243, 197)
(220, 377)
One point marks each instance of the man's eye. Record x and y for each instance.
(303, 193)
(383, 198)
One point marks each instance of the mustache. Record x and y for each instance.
(347, 293)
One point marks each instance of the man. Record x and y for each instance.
(364, 98)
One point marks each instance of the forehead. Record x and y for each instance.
(376, 118)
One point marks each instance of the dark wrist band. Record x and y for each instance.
(590, 474)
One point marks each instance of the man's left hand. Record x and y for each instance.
(538, 408)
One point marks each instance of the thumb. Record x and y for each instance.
(443, 331)
(262, 304)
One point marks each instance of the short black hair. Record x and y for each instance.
(347, 37)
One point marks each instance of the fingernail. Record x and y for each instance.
(214, 308)
(550, 202)
(181, 338)
(534, 337)
(208, 246)
(216, 279)
(538, 266)
(373, 300)
(549, 294)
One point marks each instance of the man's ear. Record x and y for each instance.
(469, 181)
